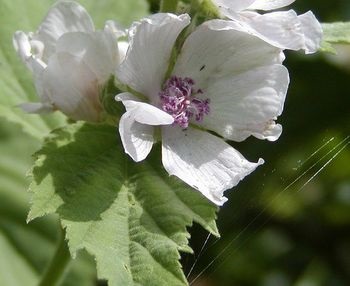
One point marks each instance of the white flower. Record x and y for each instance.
(283, 29)
(225, 81)
(70, 61)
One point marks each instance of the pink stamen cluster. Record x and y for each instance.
(179, 100)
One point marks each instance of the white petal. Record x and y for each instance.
(28, 50)
(115, 28)
(135, 126)
(143, 112)
(234, 5)
(150, 115)
(269, 4)
(22, 45)
(126, 96)
(151, 44)
(98, 50)
(137, 138)
(36, 107)
(72, 87)
(63, 17)
(281, 29)
(285, 29)
(203, 161)
(219, 48)
(312, 31)
(123, 47)
(37, 67)
(247, 104)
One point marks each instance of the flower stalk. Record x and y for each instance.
(56, 270)
(204, 9)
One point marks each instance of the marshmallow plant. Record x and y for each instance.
(188, 87)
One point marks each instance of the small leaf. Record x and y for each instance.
(335, 33)
(131, 216)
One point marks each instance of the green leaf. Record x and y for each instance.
(131, 216)
(14, 264)
(124, 12)
(335, 33)
(16, 84)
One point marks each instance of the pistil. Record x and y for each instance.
(180, 99)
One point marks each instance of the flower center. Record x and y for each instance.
(179, 99)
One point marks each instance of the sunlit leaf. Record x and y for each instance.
(131, 217)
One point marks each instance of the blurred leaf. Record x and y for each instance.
(335, 33)
(316, 273)
(131, 217)
(26, 249)
(13, 265)
(124, 12)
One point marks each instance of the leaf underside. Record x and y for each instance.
(335, 33)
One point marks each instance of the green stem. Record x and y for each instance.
(56, 270)
(168, 5)
(205, 8)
